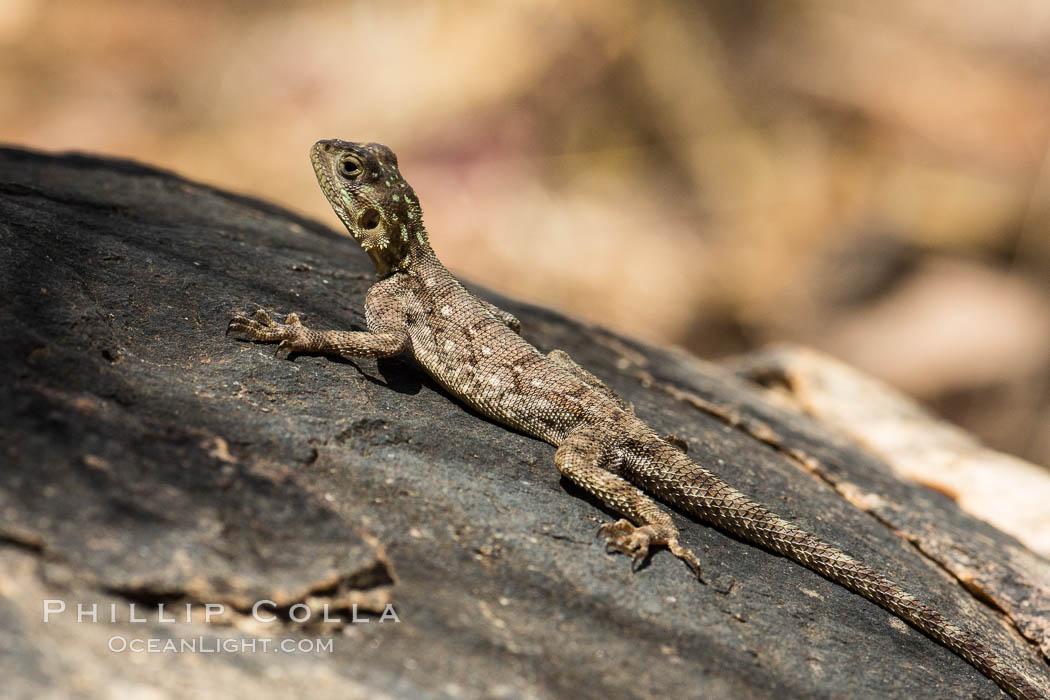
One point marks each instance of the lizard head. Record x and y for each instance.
(367, 192)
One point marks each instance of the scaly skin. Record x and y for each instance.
(473, 350)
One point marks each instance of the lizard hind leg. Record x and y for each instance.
(584, 459)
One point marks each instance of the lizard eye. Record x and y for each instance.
(350, 167)
(369, 219)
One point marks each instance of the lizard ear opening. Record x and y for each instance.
(369, 219)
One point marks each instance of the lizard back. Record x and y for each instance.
(479, 360)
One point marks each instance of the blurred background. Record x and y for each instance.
(870, 179)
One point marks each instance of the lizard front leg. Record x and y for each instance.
(387, 333)
(584, 459)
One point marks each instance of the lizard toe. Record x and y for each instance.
(688, 557)
(286, 346)
(262, 317)
(242, 326)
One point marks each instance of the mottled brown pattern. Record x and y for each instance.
(473, 350)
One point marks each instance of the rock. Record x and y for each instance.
(151, 461)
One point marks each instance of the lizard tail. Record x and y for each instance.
(708, 497)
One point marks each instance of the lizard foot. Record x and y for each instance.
(624, 537)
(290, 335)
(677, 442)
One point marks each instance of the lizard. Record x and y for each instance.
(475, 351)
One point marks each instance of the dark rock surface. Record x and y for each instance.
(148, 459)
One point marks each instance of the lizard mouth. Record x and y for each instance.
(323, 159)
(318, 160)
